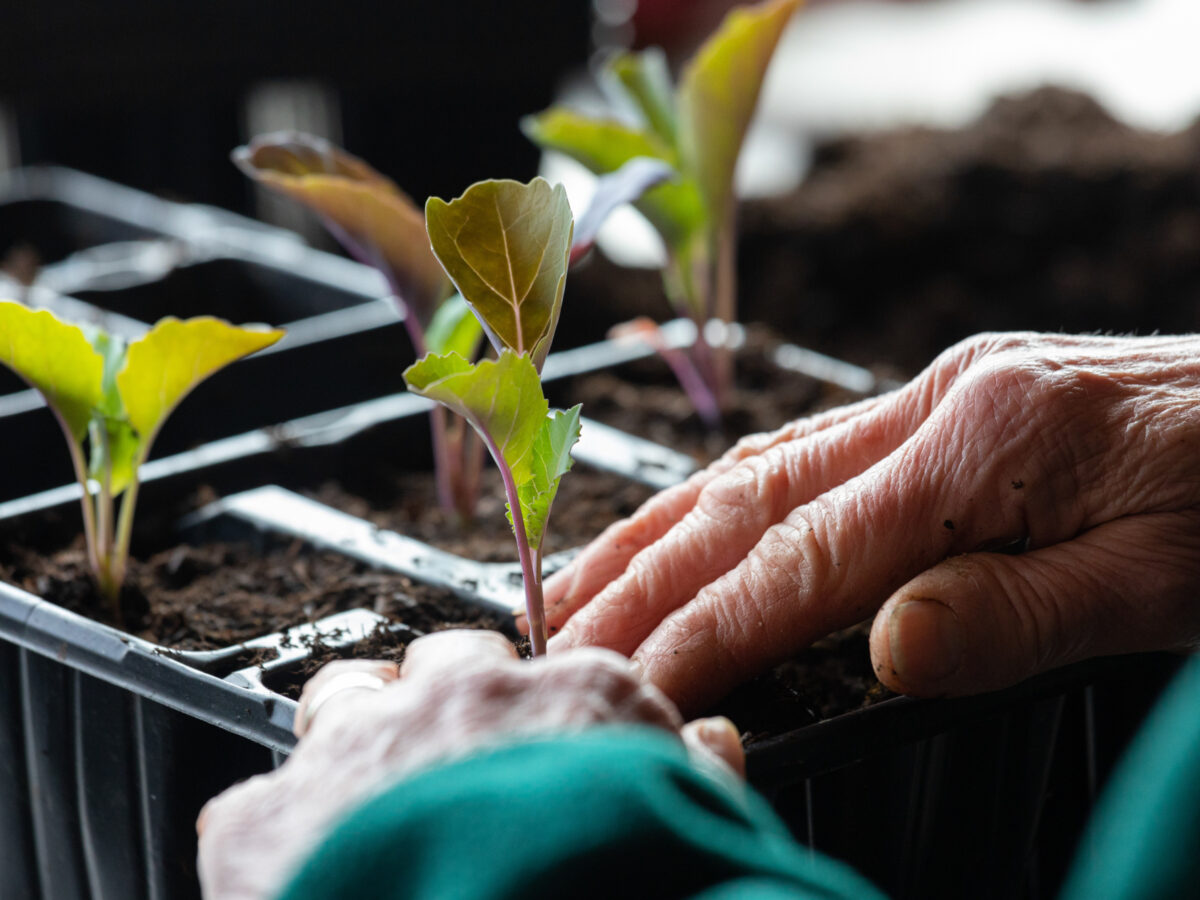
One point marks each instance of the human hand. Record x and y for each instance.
(457, 692)
(1083, 450)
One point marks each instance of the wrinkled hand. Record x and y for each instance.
(457, 692)
(1083, 450)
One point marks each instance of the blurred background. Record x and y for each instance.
(919, 170)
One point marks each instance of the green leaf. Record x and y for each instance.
(363, 208)
(646, 80)
(56, 359)
(675, 209)
(549, 461)
(503, 401)
(718, 93)
(602, 145)
(501, 398)
(163, 366)
(454, 329)
(505, 245)
(115, 446)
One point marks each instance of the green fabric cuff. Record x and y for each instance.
(616, 811)
(1144, 838)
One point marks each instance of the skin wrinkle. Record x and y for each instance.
(793, 533)
(659, 513)
(698, 543)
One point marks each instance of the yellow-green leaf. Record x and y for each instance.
(163, 366)
(57, 359)
(505, 245)
(602, 145)
(362, 207)
(718, 92)
(501, 398)
(675, 209)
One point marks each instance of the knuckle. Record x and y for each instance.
(979, 350)
(1007, 375)
(747, 491)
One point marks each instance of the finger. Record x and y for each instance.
(313, 688)
(729, 519)
(715, 740)
(607, 557)
(453, 648)
(985, 621)
(833, 562)
(610, 554)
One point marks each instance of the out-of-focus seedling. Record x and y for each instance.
(380, 226)
(697, 128)
(506, 246)
(111, 398)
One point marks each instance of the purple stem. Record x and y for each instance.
(693, 384)
(724, 306)
(535, 610)
(442, 467)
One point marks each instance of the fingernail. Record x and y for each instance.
(717, 729)
(926, 642)
(721, 737)
(517, 611)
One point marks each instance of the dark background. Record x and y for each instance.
(152, 94)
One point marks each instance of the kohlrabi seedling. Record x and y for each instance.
(379, 225)
(113, 397)
(506, 246)
(697, 128)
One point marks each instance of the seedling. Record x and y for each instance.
(697, 128)
(506, 246)
(114, 396)
(380, 226)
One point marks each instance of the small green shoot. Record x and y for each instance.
(113, 397)
(697, 127)
(506, 246)
(380, 226)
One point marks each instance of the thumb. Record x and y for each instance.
(984, 621)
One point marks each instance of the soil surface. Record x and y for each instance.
(218, 594)
(588, 501)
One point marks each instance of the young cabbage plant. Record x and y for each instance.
(506, 246)
(113, 397)
(380, 226)
(696, 127)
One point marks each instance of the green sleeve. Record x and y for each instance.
(1144, 838)
(614, 812)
